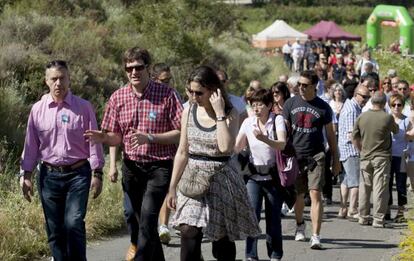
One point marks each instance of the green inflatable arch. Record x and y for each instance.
(400, 16)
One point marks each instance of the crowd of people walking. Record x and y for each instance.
(214, 158)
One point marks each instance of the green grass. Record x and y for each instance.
(22, 233)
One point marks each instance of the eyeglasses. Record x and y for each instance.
(276, 92)
(138, 68)
(396, 105)
(304, 84)
(197, 93)
(372, 90)
(365, 97)
(402, 89)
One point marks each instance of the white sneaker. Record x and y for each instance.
(316, 242)
(300, 232)
(285, 209)
(164, 234)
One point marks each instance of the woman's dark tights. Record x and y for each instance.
(191, 237)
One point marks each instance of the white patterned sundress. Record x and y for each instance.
(225, 210)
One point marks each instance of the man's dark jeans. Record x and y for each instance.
(130, 219)
(147, 185)
(64, 199)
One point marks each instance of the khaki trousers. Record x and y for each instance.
(375, 177)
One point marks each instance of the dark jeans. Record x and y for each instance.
(130, 219)
(257, 191)
(146, 185)
(401, 181)
(288, 60)
(64, 198)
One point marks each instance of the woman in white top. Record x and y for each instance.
(399, 144)
(264, 133)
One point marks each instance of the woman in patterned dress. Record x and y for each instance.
(224, 214)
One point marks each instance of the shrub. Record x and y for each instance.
(388, 60)
(243, 64)
(22, 223)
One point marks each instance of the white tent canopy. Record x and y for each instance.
(276, 35)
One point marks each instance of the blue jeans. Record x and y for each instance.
(146, 185)
(273, 203)
(64, 198)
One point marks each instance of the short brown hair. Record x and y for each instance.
(135, 54)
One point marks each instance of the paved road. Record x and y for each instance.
(342, 240)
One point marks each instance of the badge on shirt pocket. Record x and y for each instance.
(65, 118)
(152, 116)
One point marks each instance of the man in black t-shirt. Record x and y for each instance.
(307, 115)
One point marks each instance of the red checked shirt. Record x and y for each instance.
(158, 110)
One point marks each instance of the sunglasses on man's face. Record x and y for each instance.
(402, 89)
(306, 85)
(365, 97)
(138, 68)
(396, 105)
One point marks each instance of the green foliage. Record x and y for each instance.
(92, 36)
(407, 245)
(245, 63)
(404, 66)
(12, 111)
(309, 3)
(296, 15)
(23, 236)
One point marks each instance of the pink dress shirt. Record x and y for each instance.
(55, 133)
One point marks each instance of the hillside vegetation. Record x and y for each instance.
(92, 35)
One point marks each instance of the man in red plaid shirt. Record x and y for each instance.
(144, 117)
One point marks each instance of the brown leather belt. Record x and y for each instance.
(65, 168)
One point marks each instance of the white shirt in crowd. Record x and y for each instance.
(287, 49)
(297, 49)
(261, 153)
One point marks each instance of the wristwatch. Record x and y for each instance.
(23, 173)
(221, 118)
(150, 137)
(97, 173)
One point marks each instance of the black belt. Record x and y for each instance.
(209, 158)
(161, 163)
(65, 168)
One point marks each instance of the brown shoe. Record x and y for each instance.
(130, 254)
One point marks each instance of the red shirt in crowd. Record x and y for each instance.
(158, 110)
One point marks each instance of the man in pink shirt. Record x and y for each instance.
(69, 164)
